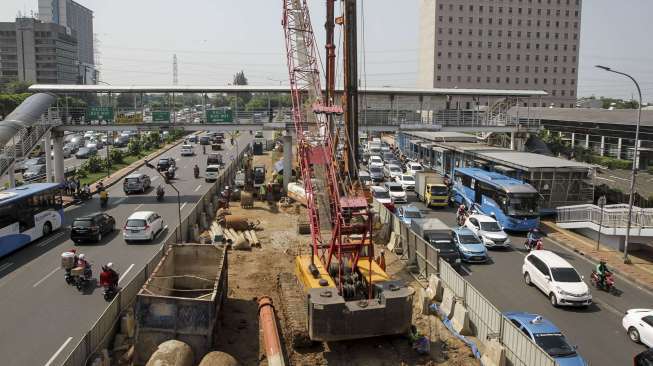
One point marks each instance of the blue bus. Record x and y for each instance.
(512, 202)
(28, 213)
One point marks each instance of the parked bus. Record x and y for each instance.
(28, 213)
(513, 203)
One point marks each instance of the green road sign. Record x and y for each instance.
(100, 113)
(160, 116)
(219, 116)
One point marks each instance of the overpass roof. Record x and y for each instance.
(56, 88)
(585, 115)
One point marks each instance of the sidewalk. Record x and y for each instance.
(117, 176)
(640, 271)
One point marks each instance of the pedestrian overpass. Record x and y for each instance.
(381, 110)
(611, 222)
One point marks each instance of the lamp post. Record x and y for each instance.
(633, 174)
(180, 238)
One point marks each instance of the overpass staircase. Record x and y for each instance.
(611, 220)
(21, 145)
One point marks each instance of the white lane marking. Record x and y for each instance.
(609, 180)
(154, 178)
(56, 354)
(139, 206)
(612, 176)
(182, 206)
(46, 277)
(49, 241)
(125, 273)
(5, 266)
(121, 200)
(184, 167)
(464, 269)
(198, 188)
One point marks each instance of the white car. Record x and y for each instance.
(66, 152)
(142, 225)
(91, 145)
(489, 230)
(639, 325)
(392, 171)
(407, 181)
(397, 193)
(187, 150)
(381, 194)
(211, 173)
(556, 278)
(375, 160)
(412, 168)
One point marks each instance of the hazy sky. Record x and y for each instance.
(213, 39)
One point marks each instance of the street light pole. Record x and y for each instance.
(635, 159)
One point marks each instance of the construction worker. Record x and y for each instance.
(380, 260)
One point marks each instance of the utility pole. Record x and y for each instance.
(330, 53)
(175, 71)
(351, 85)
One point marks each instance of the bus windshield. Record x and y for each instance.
(522, 204)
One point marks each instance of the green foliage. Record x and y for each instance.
(93, 164)
(116, 156)
(16, 87)
(125, 100)
(241, 79)
(611, 163)
(619, 103)
(134, 147)
(9, 102)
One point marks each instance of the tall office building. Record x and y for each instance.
(37, 52)
(501, 44)
(76, 18)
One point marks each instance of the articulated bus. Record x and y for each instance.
(28, 213)
(513, 203)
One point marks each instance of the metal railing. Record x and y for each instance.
(612, 216)
(100, 334)
(486, 321)
(23, 143)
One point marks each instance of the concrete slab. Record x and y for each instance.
(460, 320)
(448, 302)
(495, 354)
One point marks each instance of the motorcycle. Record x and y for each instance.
(608, 283)
(159, 194)
(196, 171)
(82, 280)
(69, 277)
(535, 244)
(109, 292)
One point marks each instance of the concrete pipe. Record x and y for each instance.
(217, 358)
(268, 323)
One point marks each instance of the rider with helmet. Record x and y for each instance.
(602, 271)
(109, 277)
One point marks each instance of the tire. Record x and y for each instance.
(554, 301)
(633, 334)
(152, 237)
(99, 237)
(527, 279)
(47, 229)
(113, 227)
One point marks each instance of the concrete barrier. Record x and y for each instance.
(435, 284)
(423, 301)
(460, 319)
(495, 353)
(448, 302)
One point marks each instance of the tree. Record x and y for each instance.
(241, 79)
(16, 87)
(619, 103)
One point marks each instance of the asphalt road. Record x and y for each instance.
(44, 318)
(596, 330)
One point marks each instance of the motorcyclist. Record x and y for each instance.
(87, 190)
(196, 170)
(462, 211)
(104, 196)
(100, 186)
(159, 191)
(109, 277)
(171, 172)
(602, 271)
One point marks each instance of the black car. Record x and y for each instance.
(165, 163)
(91, 227)
(644, 359)
(205, 140)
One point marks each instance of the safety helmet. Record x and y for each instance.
(110, 265)
(81, 256)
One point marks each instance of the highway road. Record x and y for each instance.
(596, 330)
(43, 318)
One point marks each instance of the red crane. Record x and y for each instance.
(340, 221)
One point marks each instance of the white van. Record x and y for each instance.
(212, 172)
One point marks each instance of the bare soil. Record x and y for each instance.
(254, 273)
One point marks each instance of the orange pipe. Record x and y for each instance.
(268, 324)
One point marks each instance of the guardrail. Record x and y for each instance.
(486, 321)
(106, 326)
(611, 216)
